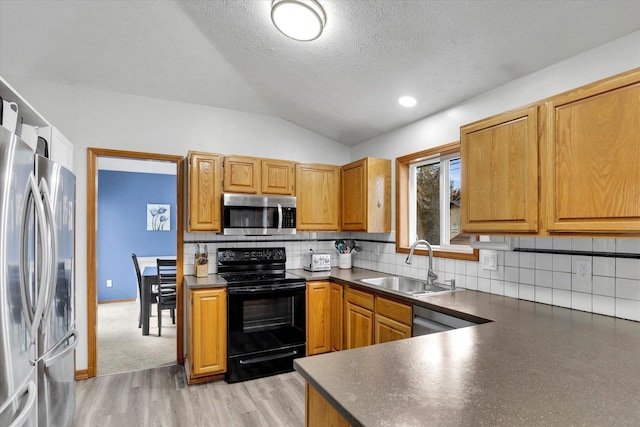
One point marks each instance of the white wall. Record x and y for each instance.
(94, 118)
(444, 127)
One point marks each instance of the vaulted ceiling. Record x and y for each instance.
(344, 85)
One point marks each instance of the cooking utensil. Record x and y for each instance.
(356, 248)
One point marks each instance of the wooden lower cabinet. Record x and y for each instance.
(319, 412)
(343, 318)
(318, 317)
(370, 319)
(337, 307)
(324, 317)
(207, 337)
(393, 320)
(358, 318)
(390, 330)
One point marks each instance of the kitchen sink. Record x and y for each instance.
(406, 285)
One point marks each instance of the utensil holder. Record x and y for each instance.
(344, 261)
(202, 266)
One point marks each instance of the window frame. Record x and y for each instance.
(403, 166)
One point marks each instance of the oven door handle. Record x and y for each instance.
(267, 358)
(265, 289)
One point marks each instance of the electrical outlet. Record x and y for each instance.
(109, 283)
(583, 270)
(490, 261)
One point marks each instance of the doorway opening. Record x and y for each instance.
(120, 307)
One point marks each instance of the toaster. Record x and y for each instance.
(316, 261)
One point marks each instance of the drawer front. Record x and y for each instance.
(362, 299)
(394, 310)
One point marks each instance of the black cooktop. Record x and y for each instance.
(260, 277)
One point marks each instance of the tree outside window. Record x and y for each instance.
(436, 183)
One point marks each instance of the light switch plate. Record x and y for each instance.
(490, 261)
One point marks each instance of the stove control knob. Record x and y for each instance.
(278, 254)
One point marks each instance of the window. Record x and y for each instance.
(428, 194)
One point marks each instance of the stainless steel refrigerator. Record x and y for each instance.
(37, 319)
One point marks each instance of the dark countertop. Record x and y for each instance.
(210, 281)
(534, 364)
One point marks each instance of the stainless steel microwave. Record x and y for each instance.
(252, 215)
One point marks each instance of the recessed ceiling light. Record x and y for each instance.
(301, 20)
(407, 101)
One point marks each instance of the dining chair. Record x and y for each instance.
(166, 289)
(154, 291)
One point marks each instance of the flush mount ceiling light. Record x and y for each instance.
(301, 20)
(407, 101)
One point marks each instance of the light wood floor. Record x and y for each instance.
(152, 398)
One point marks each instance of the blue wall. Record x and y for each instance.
(122, 227)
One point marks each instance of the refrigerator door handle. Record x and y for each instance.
(29, 387)
(73, 333)
(52, 243)
(48, 361)
(33, 316)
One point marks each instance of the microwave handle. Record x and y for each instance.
(279, 217)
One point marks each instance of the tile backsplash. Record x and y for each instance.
(549, 278)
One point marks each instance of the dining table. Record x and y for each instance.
(149, 279)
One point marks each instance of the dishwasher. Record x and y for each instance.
(426, 321)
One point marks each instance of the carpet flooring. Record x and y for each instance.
(122, 347)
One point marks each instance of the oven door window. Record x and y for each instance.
(250, 217)
(266, 321)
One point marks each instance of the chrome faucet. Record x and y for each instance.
(431, 276)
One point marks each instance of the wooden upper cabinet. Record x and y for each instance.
(593, 140)
(208, 331)
(254, 175)
(499, 168)
(366, 196)
(204, 180)
(241, 174)
(318, 317)
(277, 177)
(318, 197)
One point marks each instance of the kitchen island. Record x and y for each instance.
(533, 364)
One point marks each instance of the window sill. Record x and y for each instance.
(465, 256)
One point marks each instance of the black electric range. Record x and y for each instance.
(266, 306)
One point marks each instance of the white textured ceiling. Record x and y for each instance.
(344, 85)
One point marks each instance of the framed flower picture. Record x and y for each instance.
(158, 217)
